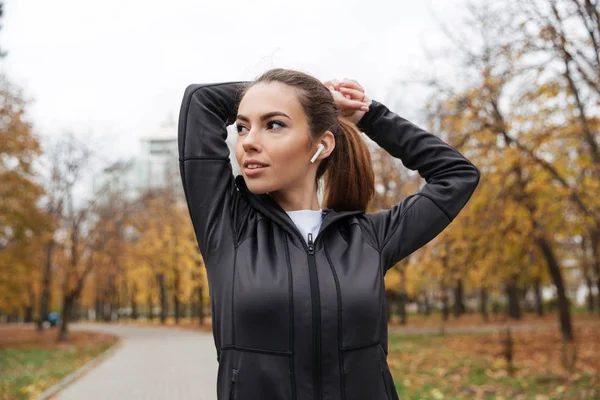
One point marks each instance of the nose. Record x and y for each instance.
(251, 142)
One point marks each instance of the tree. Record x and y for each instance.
(22, 224)
(72, 237)
(567, 35)
(2, 53)
(164, 254)
(114, 279)
(510, 118)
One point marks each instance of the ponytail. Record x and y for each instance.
(349, 178)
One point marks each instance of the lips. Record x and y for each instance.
(251, 163)
(253, 168)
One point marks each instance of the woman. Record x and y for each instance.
(297, 291)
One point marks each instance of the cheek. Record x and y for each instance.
(290, 156)
(239, 151)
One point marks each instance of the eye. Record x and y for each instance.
(241, 128)
(275, 125)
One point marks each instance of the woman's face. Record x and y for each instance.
(273, 146)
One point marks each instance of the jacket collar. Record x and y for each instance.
(269, 207)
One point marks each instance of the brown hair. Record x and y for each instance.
(347, 172)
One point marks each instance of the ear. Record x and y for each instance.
(328, 142)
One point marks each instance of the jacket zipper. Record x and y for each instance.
(316, 309)
(232, 387)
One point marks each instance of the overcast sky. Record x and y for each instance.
(117, 69)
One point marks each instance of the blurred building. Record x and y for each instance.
(154, 167)
(157, 165)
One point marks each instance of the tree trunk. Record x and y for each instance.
(63, 335)
(590, 297)
(445, 307)
(539, 303)
(28, 314)
(512, 294)
(389, 297)
(201, 305)
(163, 297)
(595, 239)
(176, 287)
(598, 294)
(150, 308)
(30, 305)
(522, 294)
(176, 306)
(134, 305)
(14, 316)
(107, 316)
(459, 305)
(483, 299)
(544, 244)
(113, 296)
(194, 308)
(401, 301)
(426, 304)
(75, 312)
(46, 281)
(99, 309)
(107, 298)
(134, 309)
(98, 306)
(564, 312)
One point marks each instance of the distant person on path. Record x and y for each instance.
(297, 288)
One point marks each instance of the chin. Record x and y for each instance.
(257, 187)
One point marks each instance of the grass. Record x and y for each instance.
(472, 366)
(31, 362)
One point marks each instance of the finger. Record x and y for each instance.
(353, 93)
(336, 84)
(344, 103)
(337, 95)
(352, 84)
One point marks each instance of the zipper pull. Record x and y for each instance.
(311, 246)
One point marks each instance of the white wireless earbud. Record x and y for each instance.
(319, 150)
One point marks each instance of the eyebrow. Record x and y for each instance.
(264, 116)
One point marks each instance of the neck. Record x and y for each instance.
(297, 199)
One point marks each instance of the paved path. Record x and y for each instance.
(156, 363)
(151, 364)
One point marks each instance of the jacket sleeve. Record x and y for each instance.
(206, 172)
(451, 180)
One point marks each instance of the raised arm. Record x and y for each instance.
(451, 180)
(206, 173)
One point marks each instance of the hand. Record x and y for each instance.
(350, 98)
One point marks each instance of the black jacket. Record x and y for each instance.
(298, 321)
